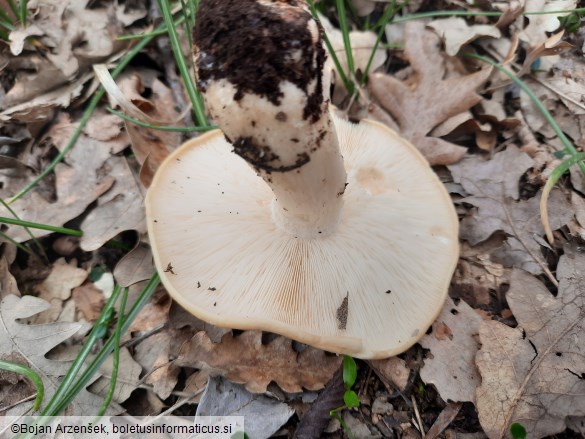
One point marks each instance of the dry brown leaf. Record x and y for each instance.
(456, 32)
(33, 342)
(120, 209)
(533, 374)
(128, 377)
(521, 221)
(62, 279)
(552, 46)
(154, 314)
(89, 301)
(245, 360)
(155, 355)
(430, 99)
(78, 181)
(498, 177)
(179, 317)
(135, 266)
(453, 345)
(392, 371)
(536, 31)
(8, 283)
(150, 146)
(445, 418)
(362, 44)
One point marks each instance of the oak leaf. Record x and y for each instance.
(533, 374)
(452, 345)
(244, 359)
(32, 342)
(430, 98)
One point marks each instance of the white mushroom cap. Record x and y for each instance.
(369, 289)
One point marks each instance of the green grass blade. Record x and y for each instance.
(92, 368)
(389, 13)
(194, 96)
(341, 15)
(31, 375)
(462, 13)
(38, 245)
(19, 222)
(117, 335)
(159, 127)
(96, 334)
(349, 85)
(23, 12)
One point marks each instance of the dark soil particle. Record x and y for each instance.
(263, 158)
(253, 46)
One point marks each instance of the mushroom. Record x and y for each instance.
(347, 242)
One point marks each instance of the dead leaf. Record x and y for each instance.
(32, 342)
(315, 420)
(127, 381)
(56, 288)
(150, 146)
(392, 370)
(62, 279)
(8, 285)
(89, 301)
(430, 99)
(120, 209)
(445, 418)
(263, 415)
(521, 221)
(244, 359)
(155, 355)
(135, 266)
(450, 363)
(536, 31)
(78, 181)
(154, 314)
(498, 177)
(533, 374)
(552, 46)
(457, 33)
(179, 317)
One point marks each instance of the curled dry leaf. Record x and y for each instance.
(150, 146)
(453, 346)
(430, 98)
(456, 32)
(533, 374)
(244, 359)
(538, 25)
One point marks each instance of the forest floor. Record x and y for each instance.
(505, 358)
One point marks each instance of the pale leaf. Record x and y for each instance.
(32, 342)
(263, 416)
(532, 374)
(450, 365)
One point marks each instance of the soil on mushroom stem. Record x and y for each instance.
(223, 36)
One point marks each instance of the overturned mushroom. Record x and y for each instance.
(351, 254)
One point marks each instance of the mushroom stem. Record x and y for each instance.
(260, 69)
